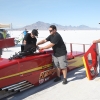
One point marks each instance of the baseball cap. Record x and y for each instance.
(35, 32)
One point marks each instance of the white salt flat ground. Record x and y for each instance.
(78, 87)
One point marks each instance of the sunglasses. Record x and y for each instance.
(50, 31)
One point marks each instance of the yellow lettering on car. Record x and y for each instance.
(47, 73)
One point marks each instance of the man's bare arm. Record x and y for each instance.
(24, 42)
(42, 42)
(96, 41)
(47, 46)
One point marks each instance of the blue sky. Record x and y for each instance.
(65, 12)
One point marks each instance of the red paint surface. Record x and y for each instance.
(94, 63)
(9, 42)
(9, 67)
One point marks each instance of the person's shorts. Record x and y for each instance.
(60, 62)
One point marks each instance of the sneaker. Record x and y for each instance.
(64, 81)
(57, 79)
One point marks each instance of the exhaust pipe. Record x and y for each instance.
(12, 88)
(26, 88)
(13, 85)
(18, 89)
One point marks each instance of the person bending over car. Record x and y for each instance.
(30, 40)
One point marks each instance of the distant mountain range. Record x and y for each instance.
(44, 26)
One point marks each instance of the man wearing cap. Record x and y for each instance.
(30, 38)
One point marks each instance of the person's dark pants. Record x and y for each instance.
(22, 48)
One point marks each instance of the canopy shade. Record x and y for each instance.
(4, 25)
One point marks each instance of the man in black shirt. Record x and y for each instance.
(30, 39)
(59, 52)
